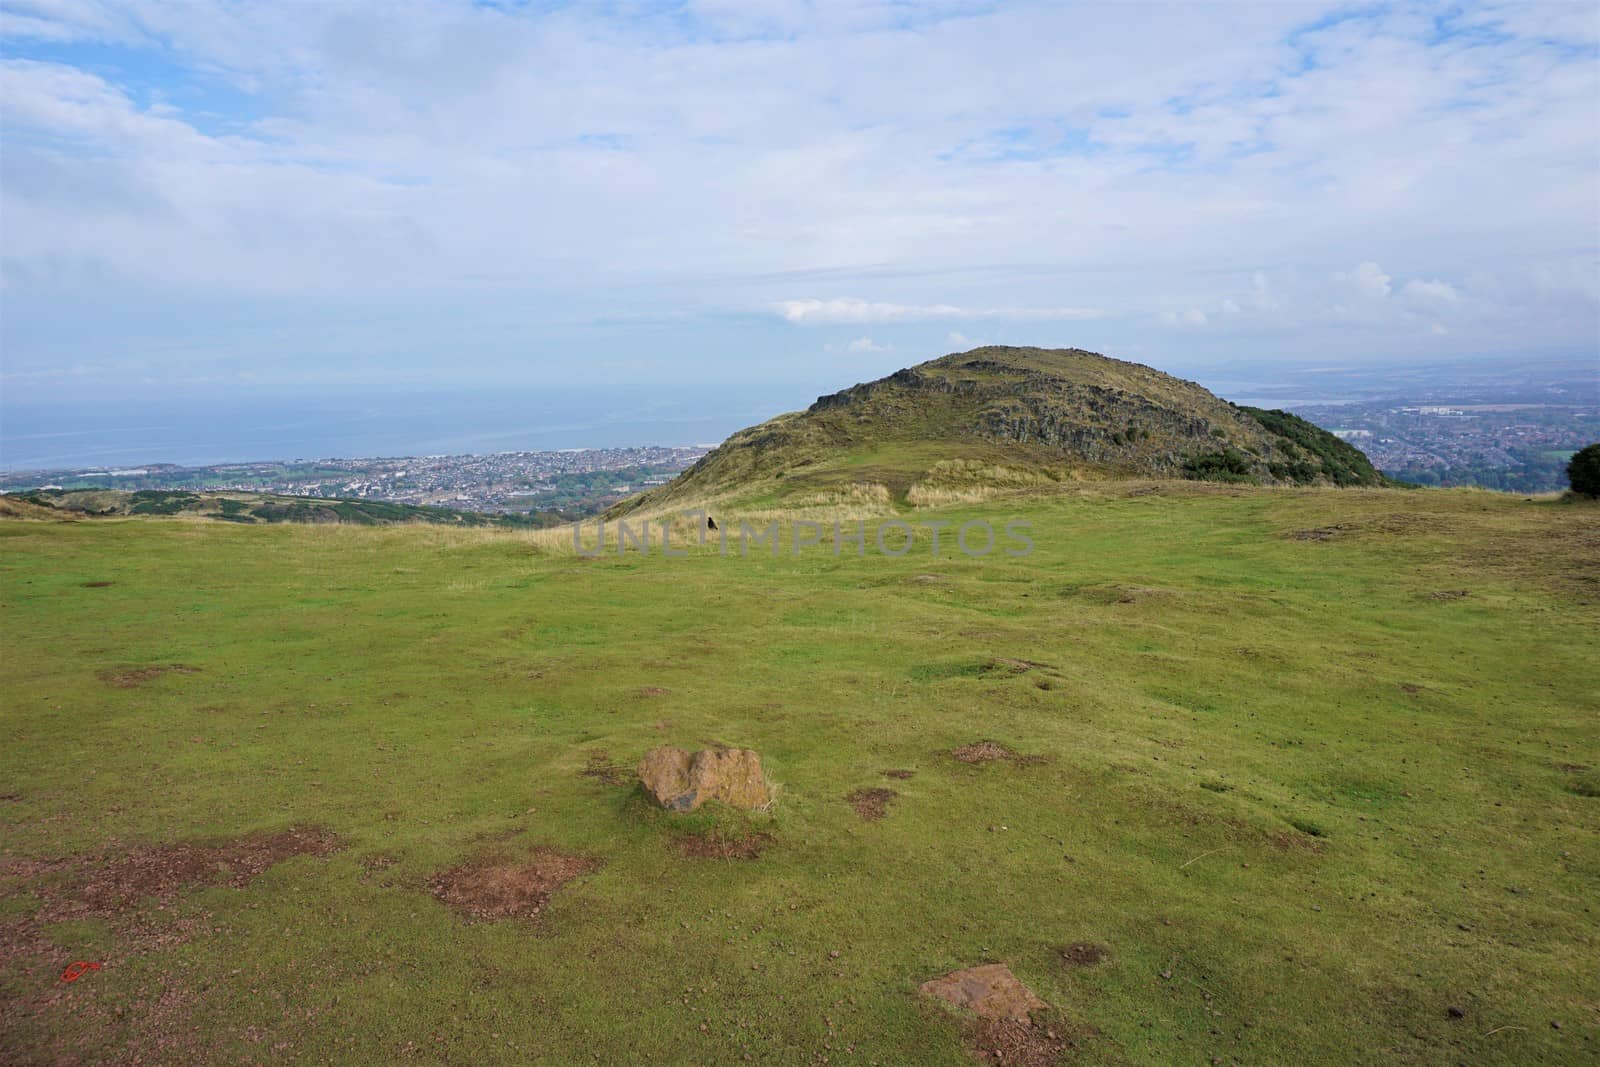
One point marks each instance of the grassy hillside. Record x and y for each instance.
(1297, 776)
(997, 417)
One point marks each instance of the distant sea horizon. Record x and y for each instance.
(264, 424)
(349, 424)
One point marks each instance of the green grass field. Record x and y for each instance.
(1316, 805)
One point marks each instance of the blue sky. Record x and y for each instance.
(227, 195)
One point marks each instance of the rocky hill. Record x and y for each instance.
(1001, 415)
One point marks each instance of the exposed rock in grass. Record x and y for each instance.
(990, 991)
(130, 677)
(871, 804)
(1449, 594)
(680, 781)
(899, 773)
(718, 846)
(501, 886)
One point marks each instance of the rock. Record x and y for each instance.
(681, 781)
(991, 991)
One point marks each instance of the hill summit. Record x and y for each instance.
(999, 416)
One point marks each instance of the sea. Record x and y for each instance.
(259, 425)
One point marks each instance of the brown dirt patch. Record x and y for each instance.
(1449, 594)
(1017, 1044)
(601, 768)
(500, 886)
(1320, 533)
(108, 886)
(983, 752)
(718, 846)
(1083, 954)
(899, 773)
(1014, 666)
(95, 585)
(1288, 841)
(1410, 688)
(871, 804)
(113, 887)
(992, 752)
(131, 677)
(653, 691)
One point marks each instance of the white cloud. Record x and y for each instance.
(1431, 291)
(1369, 280)
(1191, 317)
(817, 312)
(860, 344)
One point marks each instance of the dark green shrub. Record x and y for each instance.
(1583, 471)
(1228, 465)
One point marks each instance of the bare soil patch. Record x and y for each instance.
(1002, 664)
(601, 768)
(1083, 954)
(501, 886)
(1010, 1042)
(653, 691)
(107, 886)
(131, 677)
(871, 804)
(1018, 1044)
(96, 585)
(983, 752)
(113, 887)
(719, 846)
(993, 751)
(899, 773)
(1319, 533)
(1449, 594)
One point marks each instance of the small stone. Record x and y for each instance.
(833, 955)
(1554, 1025)
(1455, 1012)
(1167, 975)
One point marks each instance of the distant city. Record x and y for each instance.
(576, 480)
(1516, 447)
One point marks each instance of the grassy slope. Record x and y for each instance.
(1215, 684)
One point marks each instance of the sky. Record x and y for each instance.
(199, 196)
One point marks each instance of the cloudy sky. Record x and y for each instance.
(236, 193)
